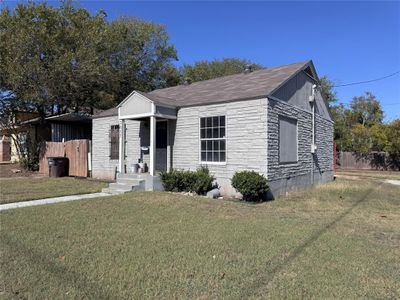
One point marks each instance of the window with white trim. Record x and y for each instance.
(213, 139)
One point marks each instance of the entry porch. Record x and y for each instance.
(157, 120)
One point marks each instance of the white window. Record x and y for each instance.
(213, 139)
(287, 140)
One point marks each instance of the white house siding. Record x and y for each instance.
(137, 135)
(135, 132)
(246, 139)
(309, 169)
(102, 166)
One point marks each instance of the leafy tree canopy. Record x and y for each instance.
(366, 110)
(204, 70)
(327, 91)
(65, 58)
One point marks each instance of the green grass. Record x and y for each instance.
(340, 240)
(31, 188)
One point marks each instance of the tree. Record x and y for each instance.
(53, 60)
(366, 110)
(139, 57)
(327, 91)
(361, 139)
(393, 137)
(204, 70)
(378, 135)
(342, 127)
(65, 58)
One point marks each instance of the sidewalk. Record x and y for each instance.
(51, 200)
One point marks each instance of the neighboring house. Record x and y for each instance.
(273, 121)
(57, 128)
(19, 128)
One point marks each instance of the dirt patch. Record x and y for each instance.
(15, 170)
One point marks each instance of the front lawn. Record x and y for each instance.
(31, 188)
(340, 240)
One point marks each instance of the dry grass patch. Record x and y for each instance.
(326, 242)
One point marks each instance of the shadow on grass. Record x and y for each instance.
(64, 275)
(267, 275)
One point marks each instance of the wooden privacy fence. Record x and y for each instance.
(373, 160)
(75, 150)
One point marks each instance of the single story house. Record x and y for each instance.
(273, 121)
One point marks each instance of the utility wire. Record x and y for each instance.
(367, 81)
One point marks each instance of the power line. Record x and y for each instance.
(382, 104)
(367, 81)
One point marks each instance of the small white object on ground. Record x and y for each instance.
(214, 193)
(392, 181)
(51, 200)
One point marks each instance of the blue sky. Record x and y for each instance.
(348, 41)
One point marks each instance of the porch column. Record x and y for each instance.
(121, 161)
(152, 145)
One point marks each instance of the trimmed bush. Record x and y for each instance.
(199, 181)
(250, 184)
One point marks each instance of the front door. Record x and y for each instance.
(161, 145)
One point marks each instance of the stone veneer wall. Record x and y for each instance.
(310, 168)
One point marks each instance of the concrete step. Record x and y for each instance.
(121, 186)
(113, 191)
(142, 176)
(131, 181)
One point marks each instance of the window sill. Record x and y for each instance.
(212, 163)
(288, 164)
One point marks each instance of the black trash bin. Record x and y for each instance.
(58, 166)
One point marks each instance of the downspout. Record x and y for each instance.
(313, 118)
(313, 146)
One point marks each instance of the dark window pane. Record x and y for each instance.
(215, 156)
(209, 122)
(202, 122)
(222, 121)
(209, 133)
(222, 132)
(215, 121)
(222, 145)
(203, 145)
(215, 133)
(209, 145)
(222, 156)
(202, 133)
(209, 156)
(216, 145)
(203, 156)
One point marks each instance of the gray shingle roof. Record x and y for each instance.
(107, 113)
(257, 84)
(260, 83)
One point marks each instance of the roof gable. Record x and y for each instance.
(137, 103)
(257, 84)
(297, 89)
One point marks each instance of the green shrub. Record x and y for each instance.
(250, 184)
(199, 181)
(203, 181)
